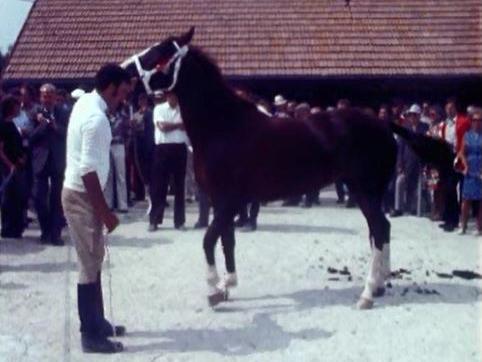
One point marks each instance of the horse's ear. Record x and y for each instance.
(187, 37)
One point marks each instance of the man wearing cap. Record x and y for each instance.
(409, 168)
(280, 105)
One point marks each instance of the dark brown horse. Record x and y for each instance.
(241, 155)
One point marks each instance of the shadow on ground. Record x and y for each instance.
(261, 335)
(307, 229)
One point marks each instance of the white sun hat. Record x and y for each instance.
(279, 100)
(77, 93)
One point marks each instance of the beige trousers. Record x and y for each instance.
(86, 233)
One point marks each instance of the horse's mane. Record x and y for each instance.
(214, 85)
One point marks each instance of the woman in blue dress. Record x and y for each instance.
(471, 157)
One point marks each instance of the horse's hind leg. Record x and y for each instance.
(379, 268)
(228, 240)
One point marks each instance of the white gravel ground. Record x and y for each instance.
(286, 308)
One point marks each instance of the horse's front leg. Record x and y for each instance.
(222, 225)
(209, 246)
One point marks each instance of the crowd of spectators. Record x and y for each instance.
(33, 124)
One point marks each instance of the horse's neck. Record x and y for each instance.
(205, 104)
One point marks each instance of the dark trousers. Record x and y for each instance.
(13, 205)
(312, 198)
(412, 177)
(252, 216)
(340, 191)
(451, 212)
(134, 180)
(47, 191)
(169, 160)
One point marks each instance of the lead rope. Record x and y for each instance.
(109, 280)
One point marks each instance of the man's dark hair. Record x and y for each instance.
(29, 89)
(111, 74)
(7, 105)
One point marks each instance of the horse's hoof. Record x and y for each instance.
(379, 292)
(364, 303)
(226, 295)
(215, 299)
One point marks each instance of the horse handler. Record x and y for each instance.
(88, 144)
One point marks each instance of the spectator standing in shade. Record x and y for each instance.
(302, 114)
(451, 209)
(25, 122)
(13, 158)
(48, 161)
(116, 181)
(169, 160)
(408, 191)
(340, 186)
(138, 124)
(385, 116)
(436, 114)
(471, 156)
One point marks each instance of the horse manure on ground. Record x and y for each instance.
(343, 271)
(444, 275)
(398, 274)
(419, 290)
(332, 270)
(466, 274)
(463, 274)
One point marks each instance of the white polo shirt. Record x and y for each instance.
(164, 113)
(88, 141)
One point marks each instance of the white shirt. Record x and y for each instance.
(450, 135)
(165, 113)
(88, 141)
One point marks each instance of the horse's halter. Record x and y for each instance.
(146, 75)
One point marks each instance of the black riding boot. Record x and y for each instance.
(91, 322)
(107, 329)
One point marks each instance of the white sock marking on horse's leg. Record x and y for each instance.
(212, 279)
(230, 280)
(373, 281)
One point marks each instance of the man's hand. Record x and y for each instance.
(111, 221)
(96, 196)
(41, 119)
(21, 161)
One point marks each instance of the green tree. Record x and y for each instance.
(4, 58)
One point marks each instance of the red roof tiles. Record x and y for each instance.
(71, 38)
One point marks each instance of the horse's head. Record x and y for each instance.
(157, 67)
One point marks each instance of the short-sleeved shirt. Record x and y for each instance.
(88, 142)
(165, 113)
(12, 141)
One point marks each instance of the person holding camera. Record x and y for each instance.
(47, 142)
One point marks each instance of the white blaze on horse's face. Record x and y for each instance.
(162, 66)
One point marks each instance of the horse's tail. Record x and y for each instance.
(435, 152)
